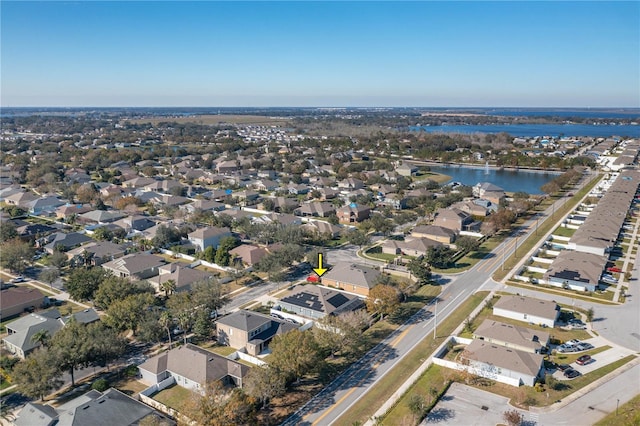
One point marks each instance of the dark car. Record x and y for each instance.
(571, 373)
(564, 367)
(584, 359)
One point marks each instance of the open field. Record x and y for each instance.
(212, 120)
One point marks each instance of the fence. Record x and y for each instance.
(246, 357)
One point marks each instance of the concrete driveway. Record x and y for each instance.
(464, 405)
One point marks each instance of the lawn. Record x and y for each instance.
(375, 252)
(568, 358)
(175, 397)
(626, 415)
(366, 406)
(128, 385)
(564, 232)
(470, 259)
(604, 298)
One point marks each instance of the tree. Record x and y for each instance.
(590, 314)
(295, 353)
(358, 237)
(150, 329)
(383, 299)
(168, 286)
(551, 381)
(165, 236)
(182, 308)
(439, 256)
(41, 337)
(513, 417)
(264, 383)
(420, 270)
(37, 375)
(7, 231)
(103, 234)
(16, 255)
(166, 321)
(416, 406)
(128, 313)
(58, 260)
(114, 288)
(222, 407)
(342, 333)
(467, 243)
(82, 283)
(222, 252)
(105, 344)
(49, 275)
(71, 346)
(202, 324)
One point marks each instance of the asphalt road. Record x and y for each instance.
(341, 394)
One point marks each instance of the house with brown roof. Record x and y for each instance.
(353, 278)
(182, 275)
(192, 368)
(249, 254)
(454, 219)
(249, 330)
(322, 227)
(15, 300)
(316, 302)
(410, 246)
(512, 336)
(95, 253)
(488, 191)
(436, 233)
(527, 309)
(315, 209)
(353, 213)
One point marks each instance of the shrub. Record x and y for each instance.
(100, 385)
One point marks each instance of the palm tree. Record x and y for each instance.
(166, 321)
(169, 286)
(41, 337)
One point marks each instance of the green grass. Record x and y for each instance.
(369, 403)
(375, 252)
(543, 228)
(627, 415)
(568, 358)
(175, 397)
(564, 232)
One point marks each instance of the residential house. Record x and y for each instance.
(353, 213)
(182, 275)
(208, 237)
(350, 184)
(472, 208)
(394, 200)
(357, 279)
(406, 170)
(227, 167)
(101, 216)
(22, 199)
(46, 205)
(322, 227)
(249, 254)
(16, 300)
(283, 204)
(316, 302)
(71, 210)
(503, 364)
(94, 408)
(192, 368)
(297, 189)
(454, 219)
(250, 330)
(488, 191)
(576, 270)
(410, 246)
(512, 336)
(20, 340)
(138, 182)
(203, 205)
(315, 209)
(95, 253)
(527, 309)
(62, 241)
(436, 233)
(135, 266)
(266, 185)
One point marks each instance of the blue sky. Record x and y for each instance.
(320, 54)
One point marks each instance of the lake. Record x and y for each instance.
(507, 179)
(531, 130)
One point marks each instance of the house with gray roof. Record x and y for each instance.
(250, 330)
(353, 278)
(182, 275)
(208, 237)
(95, 253)
(503, 364)
(527, 309)
(192, 368)
(433, 232)
(94, 408)
(576, 270)
(135, 266)
(316, 302)
(45, 205)
(62, 241)
(317, 209)
(410, 246)
(512, 336)
(101, 216)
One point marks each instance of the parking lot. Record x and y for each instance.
(599, 360)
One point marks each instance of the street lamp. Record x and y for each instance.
(617, 405)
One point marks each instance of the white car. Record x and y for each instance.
(573, 342)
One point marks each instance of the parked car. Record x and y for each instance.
(564, 367)
(571, 373)
(585, 346)
(572, 342)
(18, 280)
(565, 349)
(584, 359)
(614, 269)
(578, 326)
(313, 279)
